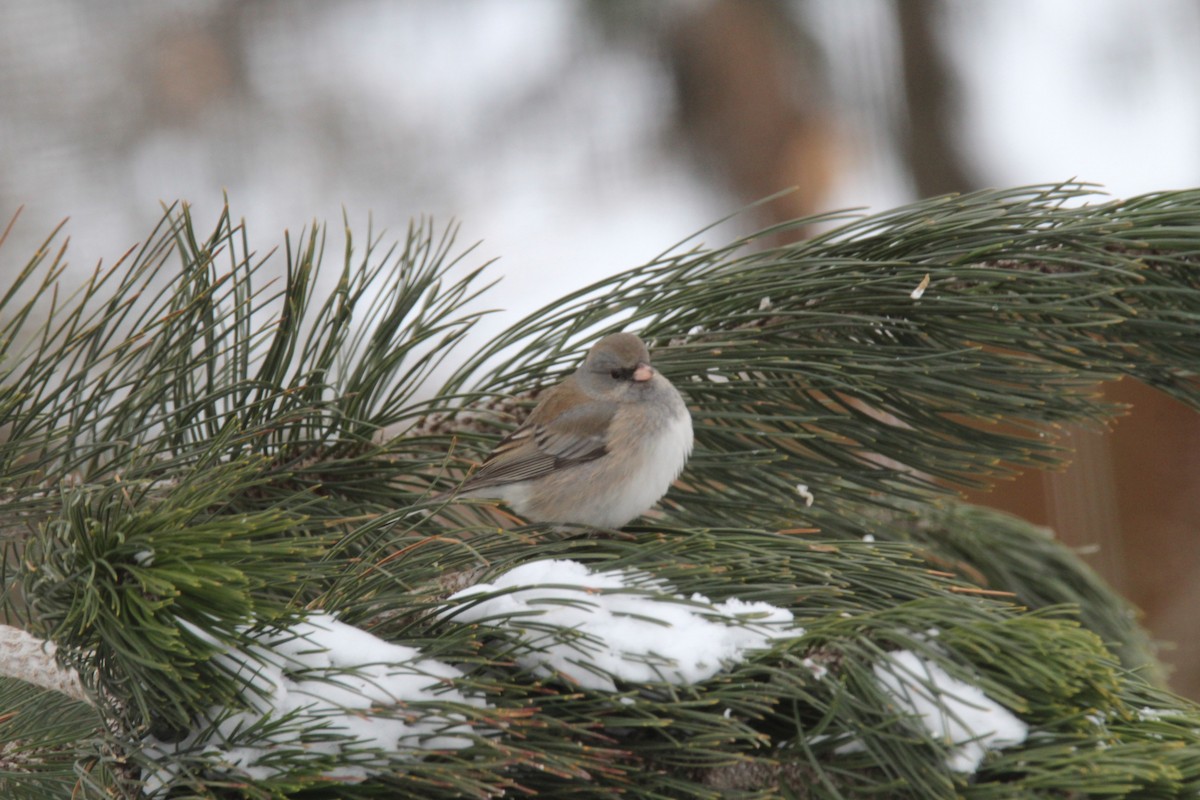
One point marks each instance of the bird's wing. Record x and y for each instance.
(545, 443)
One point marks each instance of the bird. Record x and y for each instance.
(599, 450)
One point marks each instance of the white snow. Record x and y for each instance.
(594, 628)
(817, 669)
(850, 747)
(324, 688)
(918, 292)
(1147, 714)
(952, 711)
(805, 494)
(714, 375)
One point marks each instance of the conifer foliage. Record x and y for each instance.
(223, 510)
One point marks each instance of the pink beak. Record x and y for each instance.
(643, 372)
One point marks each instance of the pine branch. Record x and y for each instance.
(817, 354)
(195, 459)
(45, 739)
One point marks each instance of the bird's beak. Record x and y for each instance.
(643, 372)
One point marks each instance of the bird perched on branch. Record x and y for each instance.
(601, 447)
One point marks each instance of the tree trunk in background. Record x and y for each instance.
(928, 133)
(751, 104)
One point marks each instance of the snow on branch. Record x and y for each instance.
(956, 713)
(321, 690)
(595, 628)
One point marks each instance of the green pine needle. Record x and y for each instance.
(200, 443)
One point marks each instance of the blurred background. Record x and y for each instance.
(576, 138)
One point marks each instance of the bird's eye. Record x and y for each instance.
(617, 374)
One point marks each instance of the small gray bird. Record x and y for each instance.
(601, 447)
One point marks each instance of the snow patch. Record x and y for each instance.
(957, 713)
(320, 688)
(594, 628)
